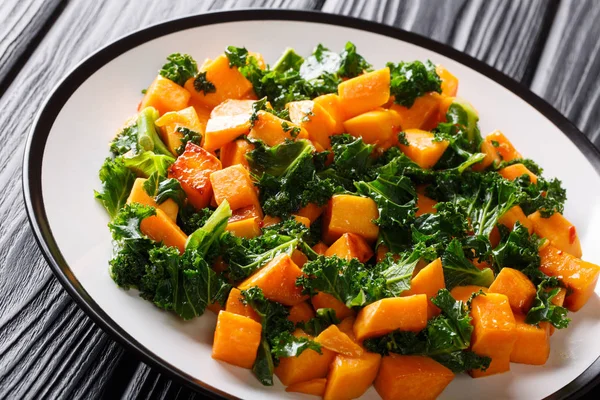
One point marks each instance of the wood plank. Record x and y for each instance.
(48, 346)
(22, 24)
(569, 70)
(504, 34)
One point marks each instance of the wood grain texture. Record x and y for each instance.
(568, 75)
(48, 347)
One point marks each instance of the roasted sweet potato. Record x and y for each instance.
(515, 171)
(378, 126)
(235, 305)
(320, 248)
(510, 218)
(423, 114)
(311, 211)
(315, 119)
(422, 149)
(504, 148)
(236, 339)
(365, 92)
(235, 153)
(301, 312)
(234, 185)
(299, 258)
(449, 81)
(558, 230)
(463, 293)
(516, 287)
(228, 120)
(428, 281)
(162, 228)
(350, 377)
(491, 156)
(335, 340)
(247, 228)
(170, 123)
(165, 95)
(138, 195)
(425, 205)
(532, 345)
(271, 129)
(352, 214)
(331, 103)
(350, 246)
(316, 387)
(324, 300)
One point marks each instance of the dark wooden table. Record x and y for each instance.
(48, 347)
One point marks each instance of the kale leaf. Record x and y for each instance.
(202, 84)
(125, 141)
(352, 64)
(410, 80)
(188, 136)
(117, 181)
(459, 271)
(543, 308)
(324, 318)
(179, 68)
(237, 56)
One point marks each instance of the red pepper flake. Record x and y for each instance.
(572, 234)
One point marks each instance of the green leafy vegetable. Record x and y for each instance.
(202, 84)
(520, 251)
(459, 271)
(237, 56)
(125, 141)
(324, 318)
(117, 181)
(543, 309)
(148, 139)
(410, 80)
(189, 136)
(179, 68)
(206, 236)
(352, 64)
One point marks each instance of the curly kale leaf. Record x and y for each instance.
(125, 141)
(324, 318)
(410, 80)
(189, 219)
(544, 309)
(202, 84)
(352, 64)
(519, 250)
(459, 271)
(188, 136)
(179, 68)
(237, 56)
(117, 181)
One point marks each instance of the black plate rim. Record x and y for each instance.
(32, 160)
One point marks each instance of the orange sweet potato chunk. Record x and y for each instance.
(331, 103)
(170, 122)
(301, 312)
(229, 83)
(491, 156)
(320, 248)
(365, 92)
(558, 230)
(228, 120)
(234, 185)
(299, 258)
(271, 129)
(350, 214)
(578, 276)
(138, 195)
(192, 169)
(428, 281)
(252, 211)
(235, 305)
(411, 378)
(311, 211)
(350, 246)
(303, 220)
(247, 228)
(532, 345)
(315, 119)
(425, 205)
(351, 377)
(494, 332)
(504, 148)
(515, 171)
(463, 293)
(307, 366)
(335, 340)
(387, 315)
(161, 228)
(516, 287)
(324, 300)
(375, 127)
(423, 114)
(277, 280)
(235, 153)
(316, 387)
(449, 81)
(236, 339)
(510, 218)
(422, 149)
(165, 95)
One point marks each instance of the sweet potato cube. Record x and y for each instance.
(170, 123)
(161, 228)
(335, 340)
(515, 171)
(269, 220)
(247, 228)
(578, 276)
(387, 315)
(302, 220)
(228, 120)
(308, 365)
(510, 218)
(271, 129)
(229, 83)
(494, 332)
(463, 293)
(234, 185)
(314, 118)
(165, 95)
(324, 300)
(301, 312)
(138, 195)
(422, 149)
(425, 205)
(235, 153)
(350, 246)
(350, 214)
(365, 92)
(532, 345)
(252, 211)
(351, 377)
(311, 211)
(316, 387)
(449, 81)
(375, 127)
(320, 248)
(504, 148)
(192, 169)
(331, 103)
(347, 326)
(236, 339)
(299, 258)
(236, 306)
(558, 230)
(411, 378)
(277, 280)
(516, 287)
(423, 114)
(491, 156)
(428, 281)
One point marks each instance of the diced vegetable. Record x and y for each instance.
(350, 246)
(331, 104)
(311, 211)
(514, 215)
(350, 214)
(234, 185)
(380, 126)
(173, 127)
(558, 230)
(315, 119)
(516, 287)
(491, 156)
(236, 339)
(315, 387)
(425, 205)
(504, 148)
(532, 345)
(411, 378)
(235, 305)
(422, 148)
(234, 153)
(324, 300)
(365, 92)
(449, 81)
(247, 228)
(165, 95)
(515, 171)
(139, 195)
(320, 248)
(228, 120)
(335, 340)
(299, 258)
(350, 377)
(162, 228)
(464, 293)
(301, 312)
(423, 114)
(428, 281)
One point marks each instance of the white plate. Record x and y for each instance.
(69, 143)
